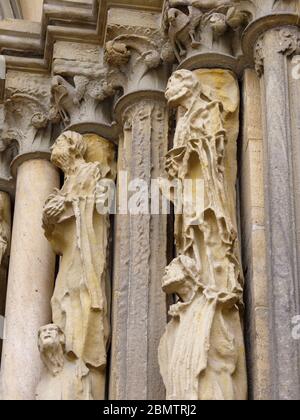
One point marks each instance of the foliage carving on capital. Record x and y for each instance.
(26, 114)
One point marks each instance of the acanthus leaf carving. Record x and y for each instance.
(26, 113)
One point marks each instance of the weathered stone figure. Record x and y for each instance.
(64, 379)
(80, 235)
(202, 352)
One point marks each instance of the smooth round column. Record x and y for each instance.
(30, 281)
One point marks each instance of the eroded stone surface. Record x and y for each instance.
(79, 233)
(202, 353)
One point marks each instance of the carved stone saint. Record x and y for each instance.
(79, 233)
(201, 354)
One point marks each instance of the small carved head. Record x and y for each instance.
(181, 86)
(69, 146)
(50, 337)
(51, 344)
(181, 277)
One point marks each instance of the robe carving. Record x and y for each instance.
(202, 353)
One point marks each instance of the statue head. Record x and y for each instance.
(51, 343)
(50, 337)
(181, 278)
(68, 147)
(182, 85)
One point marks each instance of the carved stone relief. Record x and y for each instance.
(79, 337)
(26, 111)
(198, 26)
(138, 56)
(81, 93)
(202, 353)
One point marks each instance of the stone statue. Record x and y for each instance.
(202, 352)
(79, 234)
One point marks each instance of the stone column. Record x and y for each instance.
(32, 263)
(274, 51)
(253, 232)
(139, 306)
(139, 312)
(30, 281)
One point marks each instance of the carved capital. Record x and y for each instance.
(198, 27)
(82, 95)
(26, 128)
(138, 55)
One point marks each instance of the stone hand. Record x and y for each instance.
(53, 209)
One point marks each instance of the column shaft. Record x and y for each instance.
(139, 305)
(254, 240)
(281, 220)
(30, 281)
